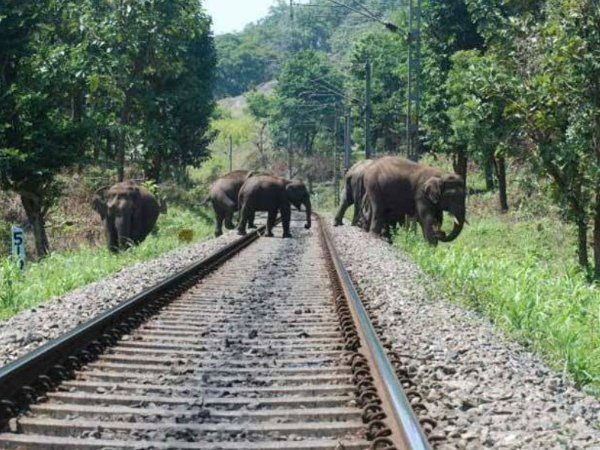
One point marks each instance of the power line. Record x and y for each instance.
(364, 7)
(358, 11)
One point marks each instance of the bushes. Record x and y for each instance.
(524, 277)
(63, 271)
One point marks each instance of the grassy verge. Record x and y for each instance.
(523, 275)
(64, 271)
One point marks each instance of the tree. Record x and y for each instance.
(176, 101)
(554, 52)
(387, 53)
(448, 28)
(479, 91)
(151, 81)
(244, 62)
(307, 95)
(41, 128)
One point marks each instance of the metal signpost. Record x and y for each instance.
(18, 246)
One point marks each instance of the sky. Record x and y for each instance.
(233, 15)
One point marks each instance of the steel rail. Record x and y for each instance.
(47, 365)
(400, 416)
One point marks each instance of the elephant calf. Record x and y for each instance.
(272, 194)
(354, 192)
(224, 198)
(128, 212)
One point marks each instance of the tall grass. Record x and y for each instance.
(62, 272)
(524, 277)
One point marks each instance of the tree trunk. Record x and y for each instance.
(121, 138)
(500, 166)
(595, 87)
(156, 168)
(77, 105)
(460, 162)
(33, 205)
(582, 250)
(488, 168)
(597, 234)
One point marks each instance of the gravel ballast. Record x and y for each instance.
(483, 390)
(32, 328)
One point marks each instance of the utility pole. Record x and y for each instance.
(230, 153)
(289, 149)
(414, 79)
(347, 141)
(368, 109)
(336, 181)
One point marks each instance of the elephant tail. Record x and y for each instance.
(206, 201)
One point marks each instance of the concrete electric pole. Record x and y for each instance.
(368, 111)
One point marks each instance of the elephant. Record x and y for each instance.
(354, 191)
(397, 187)
(223, 195)
(271, 193)
(128, 212)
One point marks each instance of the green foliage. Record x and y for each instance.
(522, 275)
(245, 61)
(479, 90)
(301, 112)
(448, 28)
(387, 54)
(153, 83)
(9, 284)
(122, 78)
(62, 272)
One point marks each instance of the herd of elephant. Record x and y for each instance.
(385, 192)
(129, 212)
(252, 192)
(391, 191)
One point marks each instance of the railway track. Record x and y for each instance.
(266, 348)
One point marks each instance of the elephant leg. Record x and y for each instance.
(286, 216)
(229, 220)
(251, 220)
(219, 225)
(357, 212)
(244, 213)
(339, 216)
(430, 224)
(377, 219)
(112, 240)
(271, 218)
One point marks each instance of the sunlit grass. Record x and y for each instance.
(62, 272)
(524, 276)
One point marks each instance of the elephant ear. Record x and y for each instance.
(99, 201)
(433, 189)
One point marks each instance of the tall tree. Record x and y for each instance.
(387, 54)
(448, 29)
(307, 96)
(41, 72)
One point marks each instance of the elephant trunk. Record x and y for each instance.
(308, 207)
(123, 228)
(459, 222)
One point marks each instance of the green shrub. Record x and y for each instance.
(522, 275)
(64, 271)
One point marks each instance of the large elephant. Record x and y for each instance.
(128, 212)
(272, 194)
(354, 191)
(223, 195)
(397, 188)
